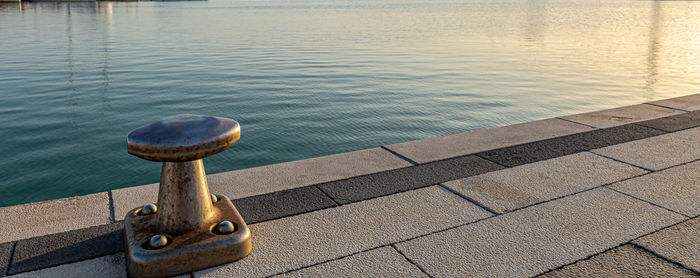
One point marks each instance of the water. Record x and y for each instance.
(307, 78)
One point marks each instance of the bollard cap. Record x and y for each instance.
(183, 137)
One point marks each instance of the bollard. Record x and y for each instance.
(188, 228)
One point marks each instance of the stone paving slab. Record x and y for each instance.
(680, 243)
(688, 103)
(126, 199)
(282, 203)
(514, 188)
(5, 253)
(55, 216)
(621, 115)
(536, 239)
(380, 262)
(444, 147)
(399, 180)
(57, 249)
(307, 239)
(266, 179)
(570, 144)
(623, 261)
(675, 122)
(677, 188)
(658, 152)
(107, 266)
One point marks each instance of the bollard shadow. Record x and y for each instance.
(68, 247)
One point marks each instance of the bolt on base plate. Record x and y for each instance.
(186, 252)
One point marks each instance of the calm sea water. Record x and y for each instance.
(307, 78)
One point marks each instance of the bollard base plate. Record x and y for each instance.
(187, 252)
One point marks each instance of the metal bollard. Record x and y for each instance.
(189, 228)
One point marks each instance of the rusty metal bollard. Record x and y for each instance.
(189, 228)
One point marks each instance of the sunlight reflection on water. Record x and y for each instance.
(311, 78)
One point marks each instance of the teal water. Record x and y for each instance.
(307, 78)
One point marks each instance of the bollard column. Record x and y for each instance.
(189, 228)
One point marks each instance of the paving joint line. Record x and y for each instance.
(480, 155)
(678, 165)
(326, 261)
(12, 256)
(621, 161)
(384, 245)
(656, 205)
(112, 217)
(642, 248)
(328, 195)
(667, 107)
(654, 128)
(482, 206)
(410, 261)
(577, 123)
(339, 205)
(617, 246)
(400, 156)
(462, 225)
(511, 211)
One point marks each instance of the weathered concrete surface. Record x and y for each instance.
(680, 243)
(546, 149)
(676, 122)
(623, 261)
(517, 187)
(126, 199)
(658, 152)
(61, 248)
(449, 146)
(621, 115)
(303, 240)
(282, 203)
(5, 253)
(271, 178)
(399, 180)
(533, 240)
(107, 266)
(380, 262)
(688, 103)
(113, 266)
(55, 216)
(677, 188)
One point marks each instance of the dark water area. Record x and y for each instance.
(312, 78)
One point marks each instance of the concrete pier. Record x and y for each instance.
(605, 193)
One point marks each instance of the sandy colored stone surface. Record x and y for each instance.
(680, 243)
(623, 261)
(513, 188)
(481, 140)
(55, 216)
(688, 103)
(307, 239)
(534, 240)
(380, 262)
(658, 152)
(621, 115)
(677, 188)
(271, 178)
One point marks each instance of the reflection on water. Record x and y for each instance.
(653, 55)
(308, 78)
